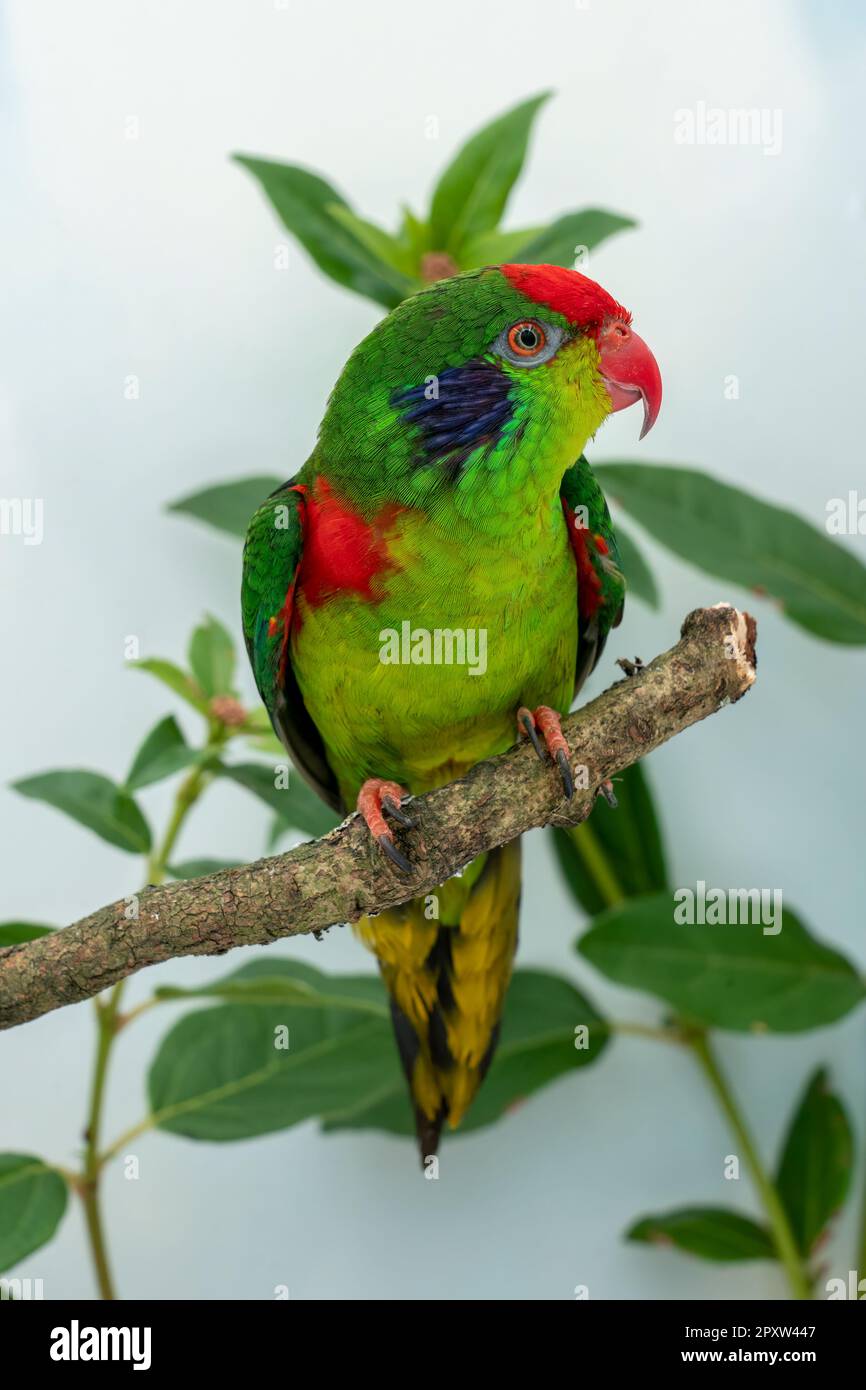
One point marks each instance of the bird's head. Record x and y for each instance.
(486, 383)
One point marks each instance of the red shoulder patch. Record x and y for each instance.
(343, 553)
(586, 547)
(281, 622)
(567, 292)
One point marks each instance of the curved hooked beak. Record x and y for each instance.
(630, 371)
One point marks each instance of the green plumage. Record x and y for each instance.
(451, 512)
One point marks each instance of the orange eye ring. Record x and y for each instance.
(527, 338)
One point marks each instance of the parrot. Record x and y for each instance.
(447, 497)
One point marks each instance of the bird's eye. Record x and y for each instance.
(526, 339)
(528, 343)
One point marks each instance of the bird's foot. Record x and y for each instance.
(376, 800)
(606, 790)
(546, 721)
(631, 668)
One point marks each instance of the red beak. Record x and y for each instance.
(630, 371)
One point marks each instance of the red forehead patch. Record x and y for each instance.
(567, 292)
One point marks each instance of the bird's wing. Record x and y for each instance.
(600, 581)
(272, 558)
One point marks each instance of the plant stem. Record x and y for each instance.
(668, 1033)
(187, 795)
(130, 1014)
(105, 1018)
(126, 1138)
(597, 864)
(861, 1253)
(109, 1020)
(602, 873)
(780, 1226)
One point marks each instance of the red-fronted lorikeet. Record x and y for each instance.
(443, 497)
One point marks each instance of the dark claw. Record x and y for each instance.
(397, 813)
(394, 854)
(631, 668)
(529, 726)
(608, 793)
(565, 770)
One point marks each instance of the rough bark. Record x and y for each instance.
(344, 875)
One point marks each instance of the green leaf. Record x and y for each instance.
(164, 752)
(495, 248)
(176, 680)
(94, 801)
(378, 242)
(726, 976)
(277, 831)
(414, 235)
(32, 1203)
(538, 1045)
(815, 1168)
(198, 868)
(228, 506)
(711, 1232)
(738, 537)
(267, 744)
(258, 722)
(296, 804)
(305, 203)
(471, 195)
(639, 577)
(219, 1074)
(14, 933)
(614, 852)
(281, 981)
(560, 243)
(212, 657)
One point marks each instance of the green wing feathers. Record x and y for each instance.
(272, 555)
(272, 558)
(600, 580)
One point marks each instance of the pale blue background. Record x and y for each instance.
(156, 257)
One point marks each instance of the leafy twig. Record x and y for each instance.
(109, 1021)
(780, 1226)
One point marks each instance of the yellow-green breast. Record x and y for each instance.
(465, 624)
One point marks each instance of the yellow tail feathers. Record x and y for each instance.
(446, 960)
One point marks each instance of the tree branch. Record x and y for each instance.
(344, 875)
